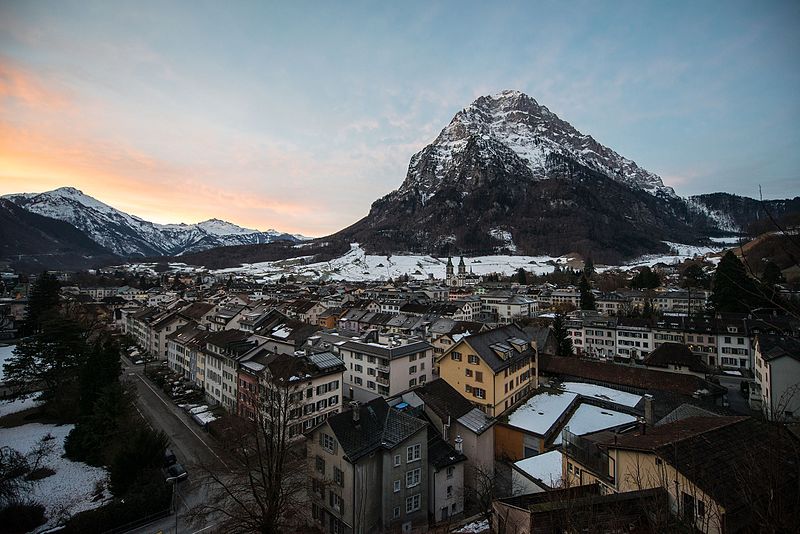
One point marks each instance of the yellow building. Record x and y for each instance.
(716, 470)
(494, 369)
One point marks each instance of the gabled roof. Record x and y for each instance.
(440, 453)
(774, 347)
(443, 399)
(676, 354)
(487, 344)
(196, 310)
(379, 427)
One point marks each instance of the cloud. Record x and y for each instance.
(19, 86)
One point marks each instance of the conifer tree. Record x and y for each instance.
(587, 297)
(733, 290)
(564, 342)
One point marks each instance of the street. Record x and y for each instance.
(191, 445)
(738, 403)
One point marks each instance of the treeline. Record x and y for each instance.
(76, 366)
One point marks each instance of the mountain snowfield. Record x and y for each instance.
(128, 235)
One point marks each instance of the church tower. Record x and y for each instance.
(462, 268)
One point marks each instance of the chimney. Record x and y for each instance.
(459, 444)
(648, 409)
(642, 424)
(354, 408)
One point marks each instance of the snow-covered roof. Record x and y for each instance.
(602, 393)
(544, 467)
(589, 418)
(542, 411)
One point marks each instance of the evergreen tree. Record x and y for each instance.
(772, 275)
(733, 290)
(563, 340)
(645, 279)
(522, 277)
(587, 297)
(694, 276)
(42, 302)
(588, 267)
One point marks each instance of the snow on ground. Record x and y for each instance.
(603, 393)
(18, 405)
(71, 488)
(541, 411)
(678, 254)
(545, 467)
(476, 527)
(727, 240)
(358, 266)
(5, 354)
(588, 418)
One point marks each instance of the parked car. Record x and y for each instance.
(744, 387)
(176, 471)
(169, 458)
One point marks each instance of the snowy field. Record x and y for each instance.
(5, 354)
(70, 490)
(603, 393)
(358, 266)
(541, 412)
(9, 407)
(545, 467)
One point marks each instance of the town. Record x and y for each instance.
(469, 403)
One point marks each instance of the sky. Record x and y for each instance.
(298, 115)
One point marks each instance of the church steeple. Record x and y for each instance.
(449, 267)
(462, 268)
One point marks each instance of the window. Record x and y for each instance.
(359, 368)
(327, 442)
(479, 392)
(412, 370)
(338, 476)
(333, 401)
(473, 359)
(468, 388)
(396, 512)
(412, 382)
(320, 464)
(701, 508)
(337, 503)
(370, 384)
(413, 453)
(412, 503)
(396, 460)
(455, 356)
(413, 477)
(396, 486)
(370, 371)
(468, 373)
(412, 357)
(449, 491)
(478, 376)
(450, 471)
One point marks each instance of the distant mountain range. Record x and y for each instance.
(67, 221)
(506, 175)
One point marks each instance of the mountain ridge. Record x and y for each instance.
(129, 235)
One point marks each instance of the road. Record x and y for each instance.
(738, 403)
(191, 445)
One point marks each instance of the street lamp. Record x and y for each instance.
(174, 481)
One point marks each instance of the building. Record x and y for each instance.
(494, 369)
(382, 367)
(369, 471)
(777, 373)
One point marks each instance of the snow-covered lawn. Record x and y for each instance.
(70, 490)
(541, 411)
(5, 354)
(588, 418)
(18, 405)
(545, 467)
(602, 393)
(476, 527)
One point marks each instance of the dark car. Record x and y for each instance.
(176, 472)
(744, 387)
(169, 458)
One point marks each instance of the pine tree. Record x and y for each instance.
(772, 274)
(733, 290)
(43, 301)
(563, 341)
(587, 297)
(645, 279)
(522, 277)
(588, 268)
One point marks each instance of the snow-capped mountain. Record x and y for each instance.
(519, 134)
(128, 235)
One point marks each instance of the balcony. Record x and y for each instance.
(382, 380)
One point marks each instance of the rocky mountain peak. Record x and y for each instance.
(513, 132)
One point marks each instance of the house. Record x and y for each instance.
(495, 369)
(777, 372)
(369, 471)
(446, 493)
(222, 352)
(676, 358)
(706, 465)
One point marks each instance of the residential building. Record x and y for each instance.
(777, 373)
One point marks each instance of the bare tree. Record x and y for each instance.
(264, 488)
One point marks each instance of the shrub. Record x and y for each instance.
(21, 517)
